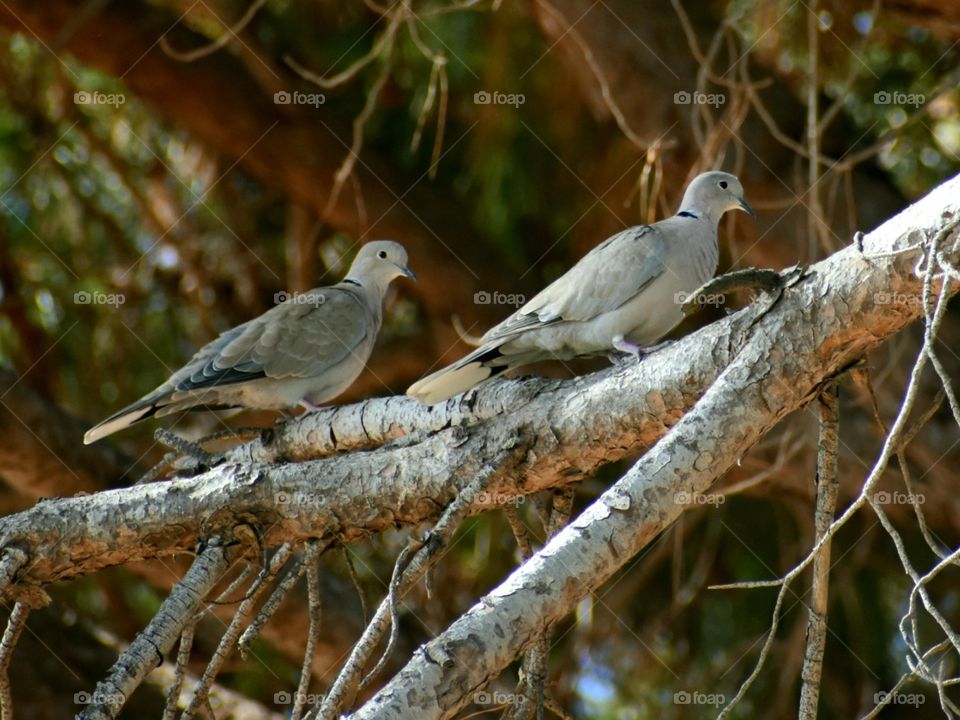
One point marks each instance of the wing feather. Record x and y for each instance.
(603, 280)
(293, 340)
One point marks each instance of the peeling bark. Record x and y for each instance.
(815, 330)
(567, 429)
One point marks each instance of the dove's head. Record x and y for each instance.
(379, 263)
(711, 194)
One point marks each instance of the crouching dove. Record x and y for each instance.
(304, 351)
(624, 295)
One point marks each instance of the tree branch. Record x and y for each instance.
(569, 428)
(814, 331)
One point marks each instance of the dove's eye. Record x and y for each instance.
(723, 184)
(382, 254)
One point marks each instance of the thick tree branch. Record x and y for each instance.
(816, 329)
(568, 429)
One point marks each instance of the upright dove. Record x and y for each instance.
(305, 351)
(623, 296)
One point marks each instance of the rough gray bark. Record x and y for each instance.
(562, 430)
(813, 332)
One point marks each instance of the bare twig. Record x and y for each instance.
(232, 31)
(310, 557)
(15, 625)
(161, 633)
(828, 484)
(355, 579)
(270, 606)
(348, 680)
(243, 613)
(180, 671)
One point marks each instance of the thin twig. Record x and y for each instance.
(232, 31)
(828, 484)
(15, 625)
(313, 599)
(176, 612)
(355, 579)
(270, 606)
(243, 613)
(344, 686)
(183, 657)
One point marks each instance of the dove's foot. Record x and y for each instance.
(309, 406)
(628, 349)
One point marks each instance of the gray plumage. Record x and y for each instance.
(304, 351)
(623, 295)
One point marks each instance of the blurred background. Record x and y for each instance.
(168, 167)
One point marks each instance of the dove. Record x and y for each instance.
(622, 296)
(305, 351)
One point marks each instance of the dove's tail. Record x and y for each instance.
(482, 364)
(140, 410)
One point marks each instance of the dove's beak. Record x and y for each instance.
(745, 206)
(407, 272)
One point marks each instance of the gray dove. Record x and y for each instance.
(304, 351)
(624, 295)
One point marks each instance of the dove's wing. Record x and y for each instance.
(603, 280)
(298, 339)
